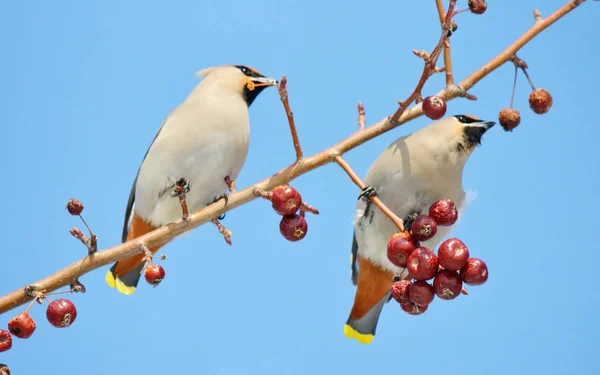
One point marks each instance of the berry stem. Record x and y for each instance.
(283, 94)
(512, 97)
(262, 193)
(305, 207)
(528, 78)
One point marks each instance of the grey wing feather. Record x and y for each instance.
(353, 259)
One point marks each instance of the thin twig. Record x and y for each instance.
(447, 56)
(360, 183)
(167, 232)
(283, 94)
(224, 231)
(361, 119)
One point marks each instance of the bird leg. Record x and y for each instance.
(182, 186)
(224, 231)
(230, 184)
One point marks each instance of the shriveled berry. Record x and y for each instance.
(423, 228)
(421, 293)
(22, 326)
(414, 309)
(399, 247)
(540, 101)
(444, 212)
(434, 107)
(509, 118)
(74, 206)
(5, 340)
(400, 291)
(293, 227)
(447, 285)
(4, 370)
(475, 272)
(422, 264)
(61, 313)
(477, 6)
(453, 254)
(286, 200)
(154, 274)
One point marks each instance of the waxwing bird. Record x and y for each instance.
(412, 173)
(203, 141)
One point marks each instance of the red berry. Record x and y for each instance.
(422, 264)
(434, 107)
(453, 254)
(74, 206)
(477, 6)
(154, 274)
(293, 227)
(22, 326)
(400, 291)
(61, 313)
(423, 228)
(540, 101)
(444, 212)
(286, 200)
(399, 247)
(509, 118)
(475, 272)
(5, 340)
(4, 370)
(413, 309)
(447, 285)
(421, 293)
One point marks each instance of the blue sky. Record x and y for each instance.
(87, 84)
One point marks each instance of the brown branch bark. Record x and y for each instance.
(447, 58)
(283, 94)
(69, 274)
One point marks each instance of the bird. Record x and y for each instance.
(202, 146)
(412, 173)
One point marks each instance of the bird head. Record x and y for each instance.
(244, 80)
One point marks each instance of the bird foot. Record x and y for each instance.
(230, 184)
(222, 196)
(409, 219)
(367, 193)
(182, 186)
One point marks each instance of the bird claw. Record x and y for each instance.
(182, 186)
(409, 219)
(367, 193)
(222, 196)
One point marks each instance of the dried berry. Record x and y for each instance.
(422, 264)
(413, 309)
(5, 340)
(475, 272)
(434, 107)
(421, 293)
(477, 6)
(74, 207)
(61, 313)
(4, 370)
(400, 291)
(444, 212)
(399, 247)
(286, 200)
(22, 326)
(447, 285)
(540, 101)
(509, 118)
(423, 228)
(293, 227)
(453, 254)
(154, 274)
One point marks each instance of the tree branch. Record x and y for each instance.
(163, 234)
(447, 58)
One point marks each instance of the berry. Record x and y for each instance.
(475, 272)
(22, 326)
(4, 370)
(286, 200)
(413, 309)
(447, 285)
(400, 246)
(540, 101)
(74, 206)
(453, 254)
(422, 264)
(434, 107)
(444, 212)
(477, 6)
(421, 293)
(423, 228)
(509, 118)
(61, 313)
(400, 291)
(5, 340)
(293, 227)
(154, 274)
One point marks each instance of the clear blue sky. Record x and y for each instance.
(86, 85)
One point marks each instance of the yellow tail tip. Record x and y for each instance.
(110, 279)
(117, 283)
(351, 333)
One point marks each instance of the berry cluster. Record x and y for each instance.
(449, 269)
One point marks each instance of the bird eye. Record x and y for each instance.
(244, 70)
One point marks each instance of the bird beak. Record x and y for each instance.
(264, 81)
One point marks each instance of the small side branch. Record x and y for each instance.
(283, 94)
(447, 56)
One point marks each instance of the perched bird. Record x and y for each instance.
(412, 173)
(203, 141)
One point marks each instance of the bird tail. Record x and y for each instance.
(125, 274)
(372, 293)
